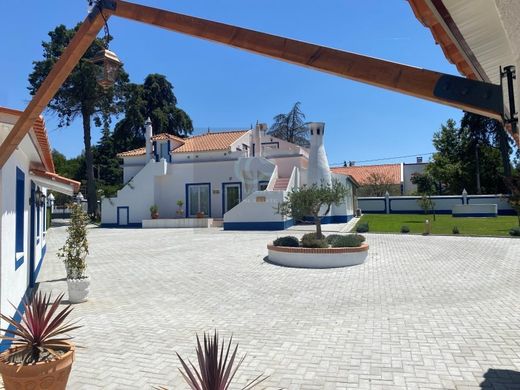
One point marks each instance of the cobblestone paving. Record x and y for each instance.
(421, 313)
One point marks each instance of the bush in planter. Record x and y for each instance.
(39, 337)
(405, 229)
(361, 237)
(74, 253)
(348, 241)
(287, 241)
(313, 240)
(154, 211)
(515, 232)
(332, 237)
(362, 227)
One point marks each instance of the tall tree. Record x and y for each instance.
(467, 158)
(154, 99)
(291, 127)
(80, 95)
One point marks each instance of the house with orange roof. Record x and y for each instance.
(233, 179)
(25, 181)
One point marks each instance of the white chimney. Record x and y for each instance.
(319, 170)
(257, 139)
(148, 136)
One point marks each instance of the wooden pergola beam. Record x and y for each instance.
(406, 79)
(56, 77)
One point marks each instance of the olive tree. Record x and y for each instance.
(313, 201)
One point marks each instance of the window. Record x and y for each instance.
(165, 153)
(262, 185)
(20, 214)
(198, 199)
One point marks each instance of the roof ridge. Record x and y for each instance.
(218, 132)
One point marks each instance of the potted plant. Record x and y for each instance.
(41, 353)
(180, 211)
(315, 250)
(154, 211)
(217, 366)
(73, 254)
(200, 214)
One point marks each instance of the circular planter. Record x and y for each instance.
(317, 257)
(78, 289)
(53, 374)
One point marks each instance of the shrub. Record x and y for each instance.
(286, 241)
(217, 365)
(362, 227)
(405, 229)
(312, 240)
(350, 240)
(515, 231)
(333, 237)
(361, 237)
(455, 230)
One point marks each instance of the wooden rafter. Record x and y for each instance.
(56, 77)
(413, 81)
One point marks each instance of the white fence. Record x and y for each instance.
(443, 204)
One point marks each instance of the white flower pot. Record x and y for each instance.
(78, 289)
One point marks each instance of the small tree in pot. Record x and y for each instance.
(74, 253)
(313, 201)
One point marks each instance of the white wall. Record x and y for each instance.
(14, 282)
(138, 195)
(408, 171)
(260, 206)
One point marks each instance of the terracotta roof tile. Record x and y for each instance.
(210, 141)
(163, 136)
(41, 136)
(53, 176)
(132, 153)
(362, 173)
(199, 143)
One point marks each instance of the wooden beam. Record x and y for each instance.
(56, 77)
(406, 79)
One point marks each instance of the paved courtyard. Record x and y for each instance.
(421, 313)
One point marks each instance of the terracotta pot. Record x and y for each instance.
(155, 215)
(200, 215)
(49, 375)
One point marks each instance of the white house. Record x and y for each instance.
(25, 180)
(238, 177)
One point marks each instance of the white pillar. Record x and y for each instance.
(319, 170)
(464, 196)
(148, 136)
(257, 140)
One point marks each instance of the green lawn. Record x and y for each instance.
(391, 223)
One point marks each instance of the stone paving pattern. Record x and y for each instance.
(421, 313)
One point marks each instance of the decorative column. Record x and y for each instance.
(464, 196)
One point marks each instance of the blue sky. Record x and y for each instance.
(221, 87)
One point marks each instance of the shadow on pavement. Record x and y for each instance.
(501, 379)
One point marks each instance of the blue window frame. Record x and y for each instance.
(20, 215)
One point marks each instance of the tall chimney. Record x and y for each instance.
(257, 139)
(148, 136)
(318, 170)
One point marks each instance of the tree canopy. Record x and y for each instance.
(154, 99)
(80, 95)
(291, 127)
(470, 157)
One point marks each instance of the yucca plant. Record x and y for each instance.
(217, 367)
(41, 334)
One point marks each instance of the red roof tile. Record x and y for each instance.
(362, 173)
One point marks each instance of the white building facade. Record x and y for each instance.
(25, 181)
(239, 177)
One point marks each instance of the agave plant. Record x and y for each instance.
(40, 335)
(216, 370)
